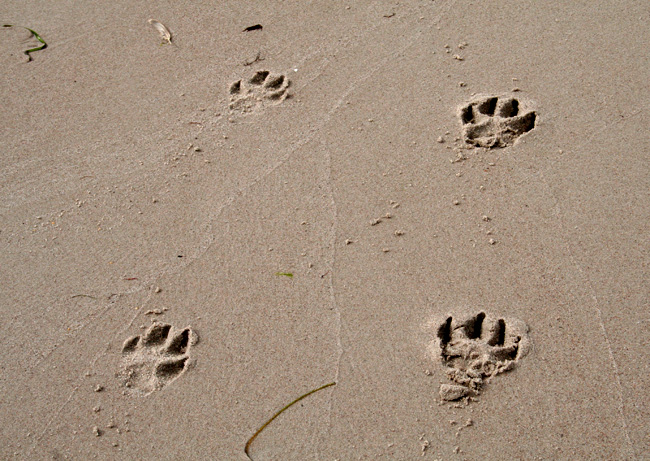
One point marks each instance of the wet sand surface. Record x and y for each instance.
(196, 233)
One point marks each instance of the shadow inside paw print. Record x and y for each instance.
(152, 361)
(495, 121)
(261, 89)
(476, 349)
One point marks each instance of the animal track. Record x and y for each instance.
(261, 89)
(152, 361)
(493, 121)
(476, 349)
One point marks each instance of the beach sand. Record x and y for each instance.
(394, 166)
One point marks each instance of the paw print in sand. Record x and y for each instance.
(152, 361)
(476, 349)
(261, 89)
(495, 121)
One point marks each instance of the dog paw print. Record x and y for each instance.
(261, 89)
(154, 360)
(476, 349)
(495, 121)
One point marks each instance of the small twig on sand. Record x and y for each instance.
(257, 59)
(82, 296)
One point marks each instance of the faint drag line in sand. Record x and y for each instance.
(334, 305)
(599, 314)
(334, 207)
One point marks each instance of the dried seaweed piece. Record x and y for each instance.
(35, 35)
(278, 413)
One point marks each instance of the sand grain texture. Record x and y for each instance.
(137, 186)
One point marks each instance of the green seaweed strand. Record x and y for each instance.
(250, 441)
(34, 34)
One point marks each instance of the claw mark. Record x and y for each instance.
(474, 326)
(444, 332)
(157, 334)
(35, 35)
(250, 441)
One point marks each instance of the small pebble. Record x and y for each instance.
(450, 392)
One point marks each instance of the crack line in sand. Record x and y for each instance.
(334, 208)
(334, 305)
(599, 314)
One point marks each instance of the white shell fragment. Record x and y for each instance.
(164, 31)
